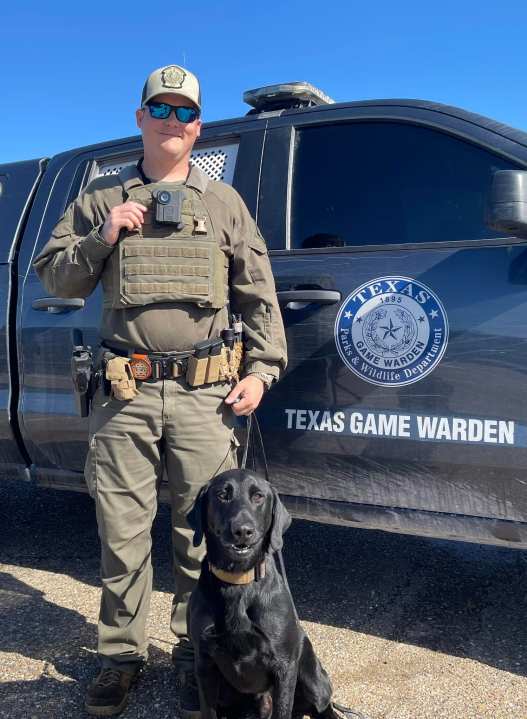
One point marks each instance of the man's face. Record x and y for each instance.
(168, 136)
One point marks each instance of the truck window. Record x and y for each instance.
(217, 161)
(384, 183)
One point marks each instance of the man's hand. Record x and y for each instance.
(127, 216)
(246, 395)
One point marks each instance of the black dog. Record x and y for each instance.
(252, 657)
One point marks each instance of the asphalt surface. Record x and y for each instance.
(407, 628)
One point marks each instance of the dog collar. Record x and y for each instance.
(253, 575)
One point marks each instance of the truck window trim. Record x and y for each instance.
(353, 249)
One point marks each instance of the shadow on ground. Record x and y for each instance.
(460, 599)
(64, 641)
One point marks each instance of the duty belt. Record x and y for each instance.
(216, 359)
(153, 366)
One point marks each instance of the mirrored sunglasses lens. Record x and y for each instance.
(159, 110)
(186, 114)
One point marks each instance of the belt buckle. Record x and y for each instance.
(159, 368)
(166, 364)
(168, 368)
(178, 368)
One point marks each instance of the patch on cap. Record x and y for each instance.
(173, 76)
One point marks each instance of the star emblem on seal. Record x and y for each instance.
(173, 76)
(390, 329)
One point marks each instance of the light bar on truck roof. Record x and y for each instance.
(288, 94)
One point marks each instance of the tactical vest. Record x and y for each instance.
(160, 263)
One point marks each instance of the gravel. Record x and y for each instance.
(407, 628)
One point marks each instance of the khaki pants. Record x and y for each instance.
(169, 428)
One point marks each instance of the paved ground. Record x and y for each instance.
(408, 628)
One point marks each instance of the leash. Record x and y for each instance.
(347, 712)
(252, 420)
(253, 428)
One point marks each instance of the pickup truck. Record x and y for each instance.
(397, 235)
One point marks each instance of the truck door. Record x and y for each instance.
(18, 182)
(405, 314)
(56, 437)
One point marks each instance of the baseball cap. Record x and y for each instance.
(173, 79)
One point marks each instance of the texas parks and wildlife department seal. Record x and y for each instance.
(391, 331)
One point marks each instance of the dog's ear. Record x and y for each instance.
(197, 517)
(280, 523)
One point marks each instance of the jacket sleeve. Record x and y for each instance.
(71, 262)
(253, 295)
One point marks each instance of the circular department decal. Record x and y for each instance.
(391, 331)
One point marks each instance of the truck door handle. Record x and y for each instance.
(57, 305)
(297, 299)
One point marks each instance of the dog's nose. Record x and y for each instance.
(242, 533)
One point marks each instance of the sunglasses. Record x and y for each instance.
(162, 110)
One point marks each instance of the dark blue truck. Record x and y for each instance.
(397, 235)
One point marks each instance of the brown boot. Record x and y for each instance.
(108, 693)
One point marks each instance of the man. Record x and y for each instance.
(167, 286)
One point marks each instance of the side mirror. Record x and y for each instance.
(507, 204)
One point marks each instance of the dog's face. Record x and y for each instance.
(241, 516)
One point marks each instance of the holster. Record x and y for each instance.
(119, 373)
(83, 378)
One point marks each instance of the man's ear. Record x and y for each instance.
(280, 523)
(197, 517)
(139, 117)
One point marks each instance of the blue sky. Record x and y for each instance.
(72, 72)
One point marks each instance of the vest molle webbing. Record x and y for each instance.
(164, 263)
